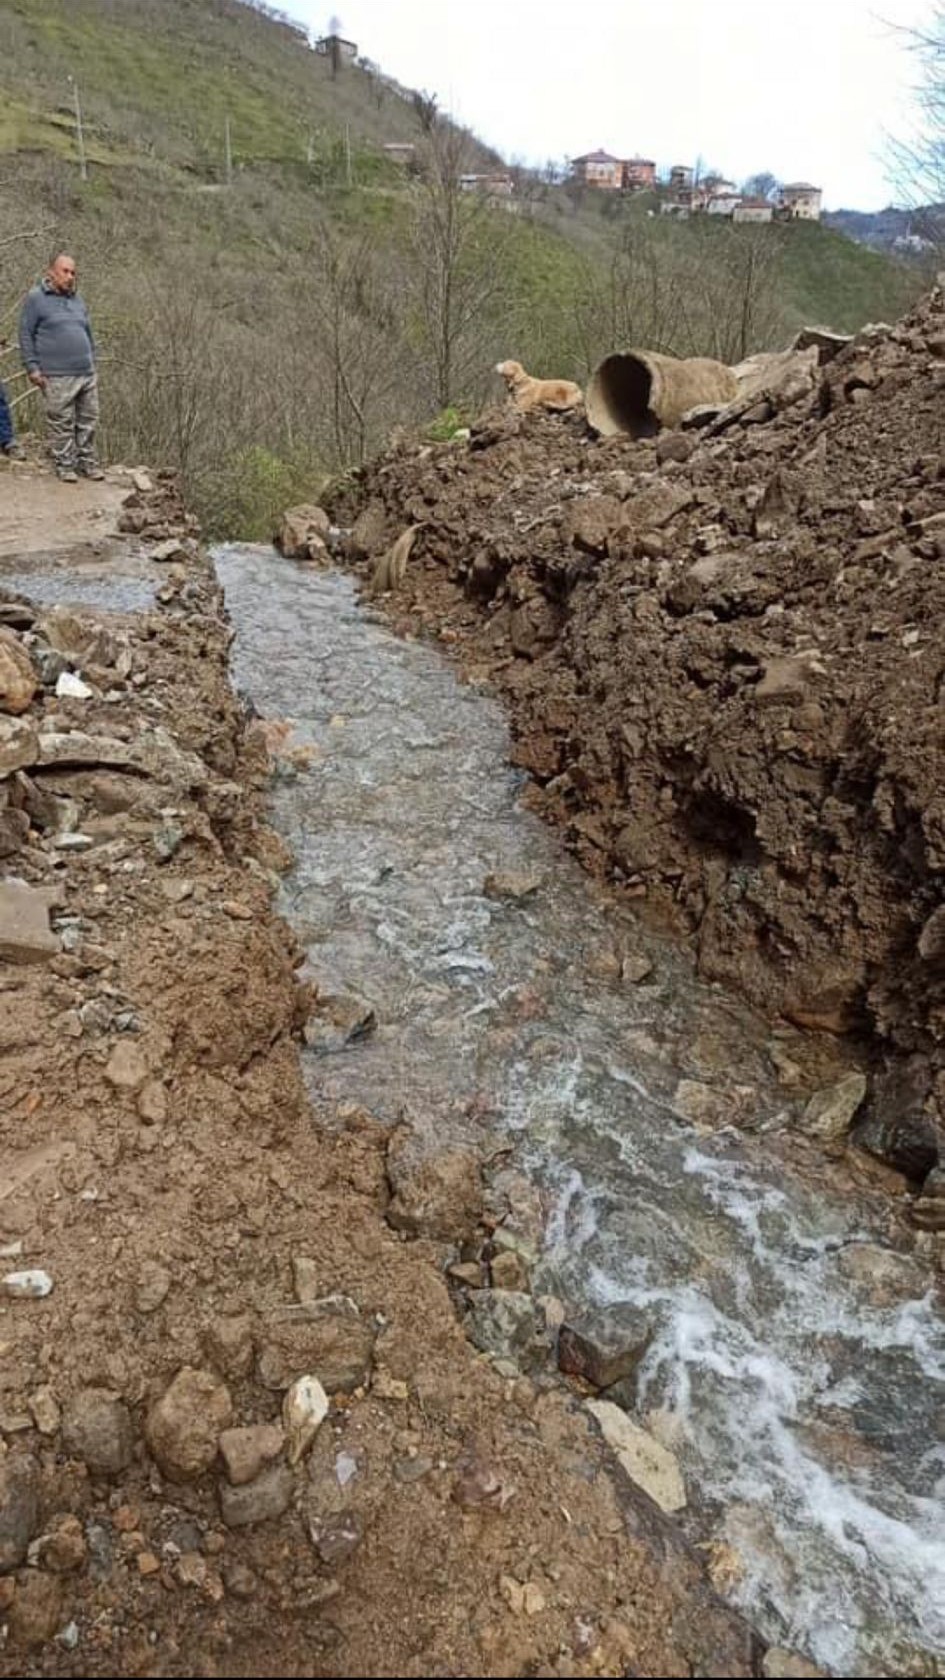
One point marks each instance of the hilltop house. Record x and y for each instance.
(598, 169)
(495, 184)
(639, 175)
(753, 210)
(330, 44)
(399, 151)
(800, 202)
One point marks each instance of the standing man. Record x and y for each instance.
(58, 353)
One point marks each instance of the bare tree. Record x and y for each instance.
(761, 185)
(919, 161)
(458, 264)
(358, 338)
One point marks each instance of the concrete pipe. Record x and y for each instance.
(638, 392)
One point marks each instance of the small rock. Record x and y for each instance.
(237, 910)
(191, 1569)
(779, 1664)
(151, 1288)
(97, 1428)
(479, 1484)
(783, 682)
(646, 1462)
(335, 1538)
(268, 1496)
(37, 1610)
(336, 1345)
(45, 1408)
(142, 481)
(32, 1285)
(509, 1271)
(674, 446)
(523, 1598)
(437, 1195)
(932, 937)
(69, 686)
(68, 1637)
(19, 745)
(304, 1409)
(239, 1580)
(63, 1549)
(343, 1019)
(408, 1470)
(636, 967)
(467, 1272)
(171, 549)
(18, 682)
(19, 1508)
(167, 841)
(148, 1564)
(228, 1342)
(245, 1452)
(152, 1103)
(511, 883)
(606, 1349)
(127, 1067)
(25, 935)
(176, 889)
(830, 1112)
(184, 1426)
(508, 1325)
(305, 1279)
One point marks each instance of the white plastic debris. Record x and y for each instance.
(304, 1409)
(27, 1286)
(69, 686)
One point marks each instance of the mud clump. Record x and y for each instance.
(725, 668)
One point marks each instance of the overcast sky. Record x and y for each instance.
(806, 88)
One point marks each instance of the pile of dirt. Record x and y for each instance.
(182, 1238)
(723, 652)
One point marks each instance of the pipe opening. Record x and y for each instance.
(618, 398)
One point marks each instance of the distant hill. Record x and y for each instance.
(269, 283)
(903, 233)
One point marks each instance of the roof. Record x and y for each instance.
(800, 186)
(756, 204)
(596, 157)
(640, 163)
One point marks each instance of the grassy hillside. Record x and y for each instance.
(261, 329)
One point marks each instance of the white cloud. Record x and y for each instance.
(809, 91)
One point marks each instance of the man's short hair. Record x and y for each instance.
(59, 252)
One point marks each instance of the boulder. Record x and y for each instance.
(18, 680)
(25, 934)
(257, 1501)
(645, 1461)
(433, 1195)
(604, 1349)
(245, 1452)
(97, 1428)
(298, 527)
(337, 1347)
(183, 1427)
(19, 1508)
(830, 1112)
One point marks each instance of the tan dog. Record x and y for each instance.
(527, 393)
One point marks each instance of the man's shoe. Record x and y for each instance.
(92, 472)
(65, 475)
(13, 452)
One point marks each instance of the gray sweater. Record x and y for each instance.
(56, 334)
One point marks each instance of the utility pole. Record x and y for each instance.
(228, 155)
(348, 176)
(83, 166)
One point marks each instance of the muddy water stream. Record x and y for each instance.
(797, 1361)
